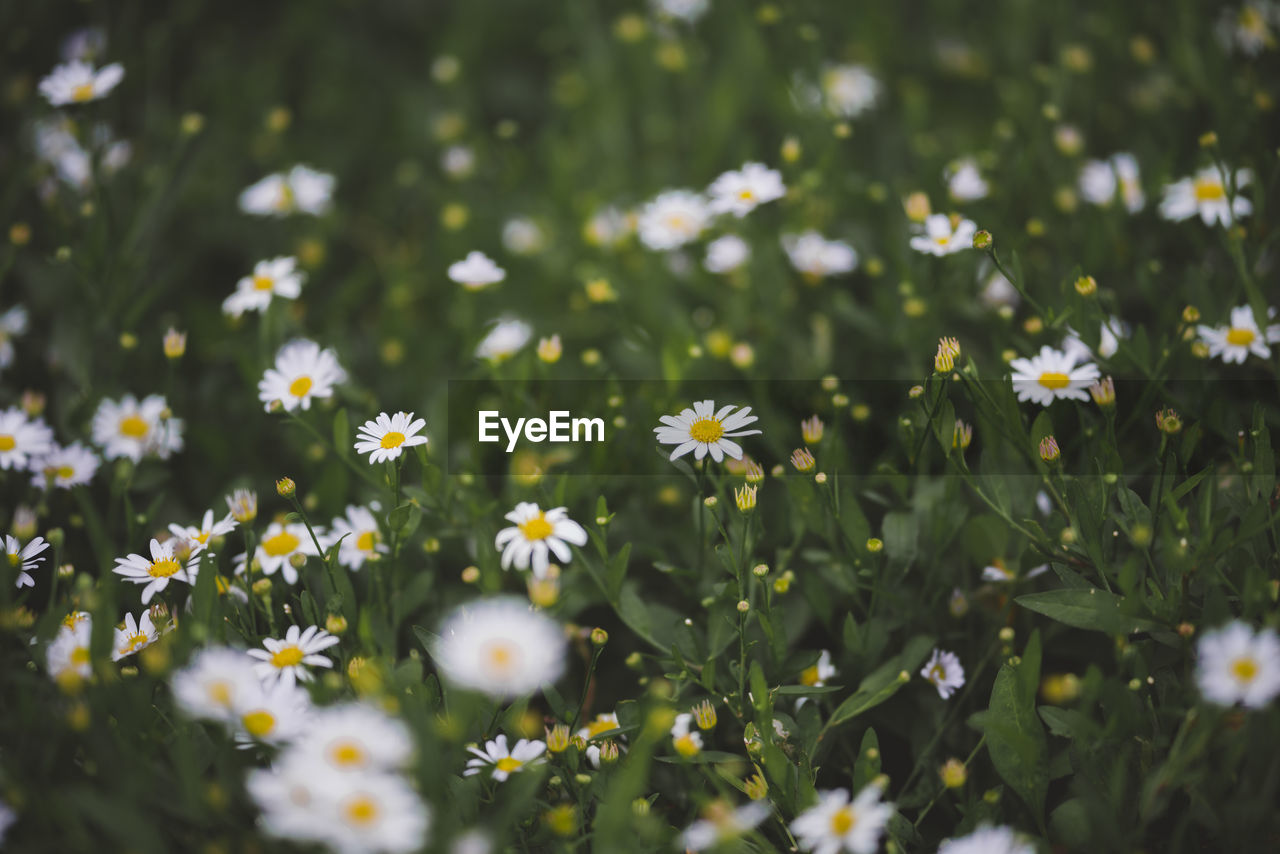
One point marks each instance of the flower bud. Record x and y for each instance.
(803, 460)
(705, 715)
(175, 344)
(558, 738)
(286, 488)
(1086, 286)
(550, 349)
(875, 545)
(811, 430)
(1103, 392)
(335, 624)
(1168, 421)
(983, 240)
(471, 574)
(745, 498)
(599, 636)
(1049, 451)
(953, 774)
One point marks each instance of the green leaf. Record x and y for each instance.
(1091, 609)
(1016, 741)
(901, 533)
(883, 682)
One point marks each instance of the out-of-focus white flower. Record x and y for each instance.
(136, 429)
(721, 823)
(849, 90)
(964, 182)
(302, 372)
(742, 191)
(1237, 665)
(941, 236)
(504, 340)
(815, 257)
(64, 467)
(68, 655)
(277, 547)
(944, 670)
(277, 277)
(300, 190)
(1206, 195)
(24, 558)
(77, 82)
(835, 824)
(685, 10)
(458, 161)
(672, 219)
(22, 438)
(726, 254)
(1101, 179)
(476, 271)
(988, 840)
(359, 536)
(523, 236)
(218, 680)
(501, 648)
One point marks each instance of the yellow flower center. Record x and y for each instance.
(361, 810)
(263, 283)
(15, 558)
(164, 568)
(1244, 669)
(600, 725)
(219, 692)
(809, 676)
(537, 528)
(1240, 337)
(366, 541)
(202, 537)
(677, 222)
(286, 200)
(746, 195)
(289, 656)
(80, 655)
(82, 93)
(223, 586)
(61, 472)
(1054, 380)
(259, 723)
(281, 544)
(7, 442)
(706, 430)
(508, 764)
(1252, 22)
(1209, 190)
(500, 655)
(843, 820)
(134, 426)
(937, 673)
(347, 754)
(300, 386)
(686, 746)
(392, 440)
(133, 643)
(942, 240)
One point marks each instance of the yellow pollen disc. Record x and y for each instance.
(347, 754)
(281, 544)
(219, 692)
(15, 558)
(392, 440)
(942, 241)
(598, 726)
(686, 746)
(82, 93)
(937, 673)
(164, 568)
(537, 528)
(677, 223)
(263, 283)
(809, 676)
(508, 764)
(7, 443)
(361, 810)
(1244, 669)
(64, 472)
(202, 537)
(1209, 190)
(300, 386)
(746, 195)
(842, 821)
(80, 655)
(500, 655)
(1240, 337)
(706, 430)
(259, 723)
(134, 642)
(286, 200)
(1054, 380)
(289, 656)
(134, 426)
(366, 541)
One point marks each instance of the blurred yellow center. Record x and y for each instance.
(706, 430)
(163, 568)
(289, 656)
(80, 655)
(133, 643)
(286, 200)
(842, 821)
(300, 386)
(361, 810)
(1209, 190)
(365, 541)
(219, 692)
(508, 764)
(393, 440)
(15, 558)
(82, 93)
(7, 443)
(746, 195)
(600, 725)
(499, 655)
(937, 673)
(263, 283)
(1244, 669)
(686, 746)
(280, 545)
(63, 472)
(537, 528)
(1054, 380)
(259, 723)
(134, 426)
(809, 676)
(347, 754)
(1239, 337)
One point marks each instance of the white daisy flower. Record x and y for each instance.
(815, 257)
(1249, 29)
(817, 674)
(207, 530)
(303, 372)
(359, 537)
(835, 824)
(64, 467)
(291, 795)
(686, 10)
(24, 558)
(133, 635)
(301, 190)
(164, 566)
(476, 271)
(287, 659)
(276, 277)
(523, 236)
(726, 254)
(386, 437)
(1100, 179)
(742, 191)
(1237, 665)
(940, 236)
(535, 534)
(672, 219)
(77, 82)
(943, 669)
(278, 544)
(272, 712)
(22, 438)
(1052, 374)
(242, 504)
(1206, 195)
(504, 340)
(218, 680)
(501, 648)
(998, 573)
(721, 824)
(608, 227)
(12, 324)
(68, 655)
(964, 182)
(503, 761)
(1109, 335)
(849, 90)
(603, 723)
(1235, 341)
(685, 737)
(458, 161)
(133, 429)
(356, 738)
(704, 430)
(987, 840)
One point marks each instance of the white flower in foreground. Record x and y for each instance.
(360, 539)
(534, 534)
(68, 655)
(704, 430)
(302, 373)
(156, 572)
(279, 543)
(1100, 179)
(500, 647)
(1238, 666)
(817, 674)
(940, 235)
(356, 737)
(1052, 374)
(1235, 341)
(685, 738)
(204, 532)
(476, 271)
(721, 823)
(135, 429)
(64, 467)
(77, 82)
(12, 324)
(726, 254)
(988, 840)
(504, 340)
(943, 669)
(1206, 195)
(24, 558)
(849, 90)
(216, 681)
(836, 825)
(22, 438)
(742, 191)
(277, 277)
(287, 659)
(270, 712)
(301, 190)
(503, 761)
(386, 437)
(672, 219)
(134, 635)
(816, 257)
(964, 182)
